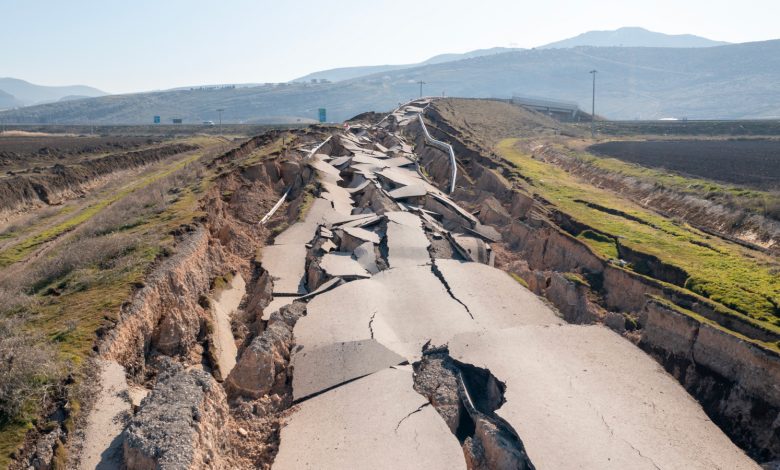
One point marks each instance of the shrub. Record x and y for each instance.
(29, 371)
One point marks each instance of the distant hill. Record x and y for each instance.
(633, 37)
(727, 82)
(8, 100)
(27, 93)
(347, 73)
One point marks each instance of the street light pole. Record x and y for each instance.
(220, 120)
(593, 107)
(421, 84)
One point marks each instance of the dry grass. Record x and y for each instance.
(29, 370)
(73, 285)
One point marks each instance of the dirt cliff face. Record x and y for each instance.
(165, 335)
(181, 424)
(733, 378)
(727, 374)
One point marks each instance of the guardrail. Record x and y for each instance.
(314, 150)
(284, 196)
(393, 112)
(444, 147)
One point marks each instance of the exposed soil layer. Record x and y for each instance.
(166, 340)
(466, 397)
(29, 151)
(752, 163)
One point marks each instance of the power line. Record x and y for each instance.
(421, 84)
(593, 107)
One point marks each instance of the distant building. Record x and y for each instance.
(565, 110)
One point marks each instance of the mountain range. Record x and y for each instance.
(346, 73)
(633, 37)
(622, 37)
(722, 81)
(15, 92)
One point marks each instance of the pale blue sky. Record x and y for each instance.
(123, 46)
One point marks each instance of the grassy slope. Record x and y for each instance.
(753, 200)
(22, 249)
(727, 273)
(71, 319)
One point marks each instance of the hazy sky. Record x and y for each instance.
(134, 45)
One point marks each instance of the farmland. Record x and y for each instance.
(751, 162)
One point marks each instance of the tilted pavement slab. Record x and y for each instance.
(343, 265)
(326, 171)
(401, 308)
(493, 297)
(362, 234)
(286, 264)
(376, 422)
(338, 196)
(320, 212)
(367, 257)
(407, 244)
(322, 368)
(584, 397)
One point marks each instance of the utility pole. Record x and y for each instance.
(220, 120)
(421, 84)
(593, 107)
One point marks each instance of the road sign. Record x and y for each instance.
(157, 119)
(322, 115)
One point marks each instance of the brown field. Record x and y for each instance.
(753, 163)
(27, 151)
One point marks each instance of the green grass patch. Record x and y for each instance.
(602, 244)
(308, 200)
(21, 250)
(739, 278)
(519, 280)
(576, 278)
(277, 146)
(11, 436)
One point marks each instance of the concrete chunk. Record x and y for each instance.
(286, 265)
(332, 430)
(182, 424)
(406, 241)
(362, 234)
(413, 190)
(343, 265)
(319, 369)
(367, 257)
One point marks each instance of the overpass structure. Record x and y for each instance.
(567, 110)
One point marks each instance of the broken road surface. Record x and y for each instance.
(400, 274)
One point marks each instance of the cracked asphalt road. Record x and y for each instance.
(577, 396)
